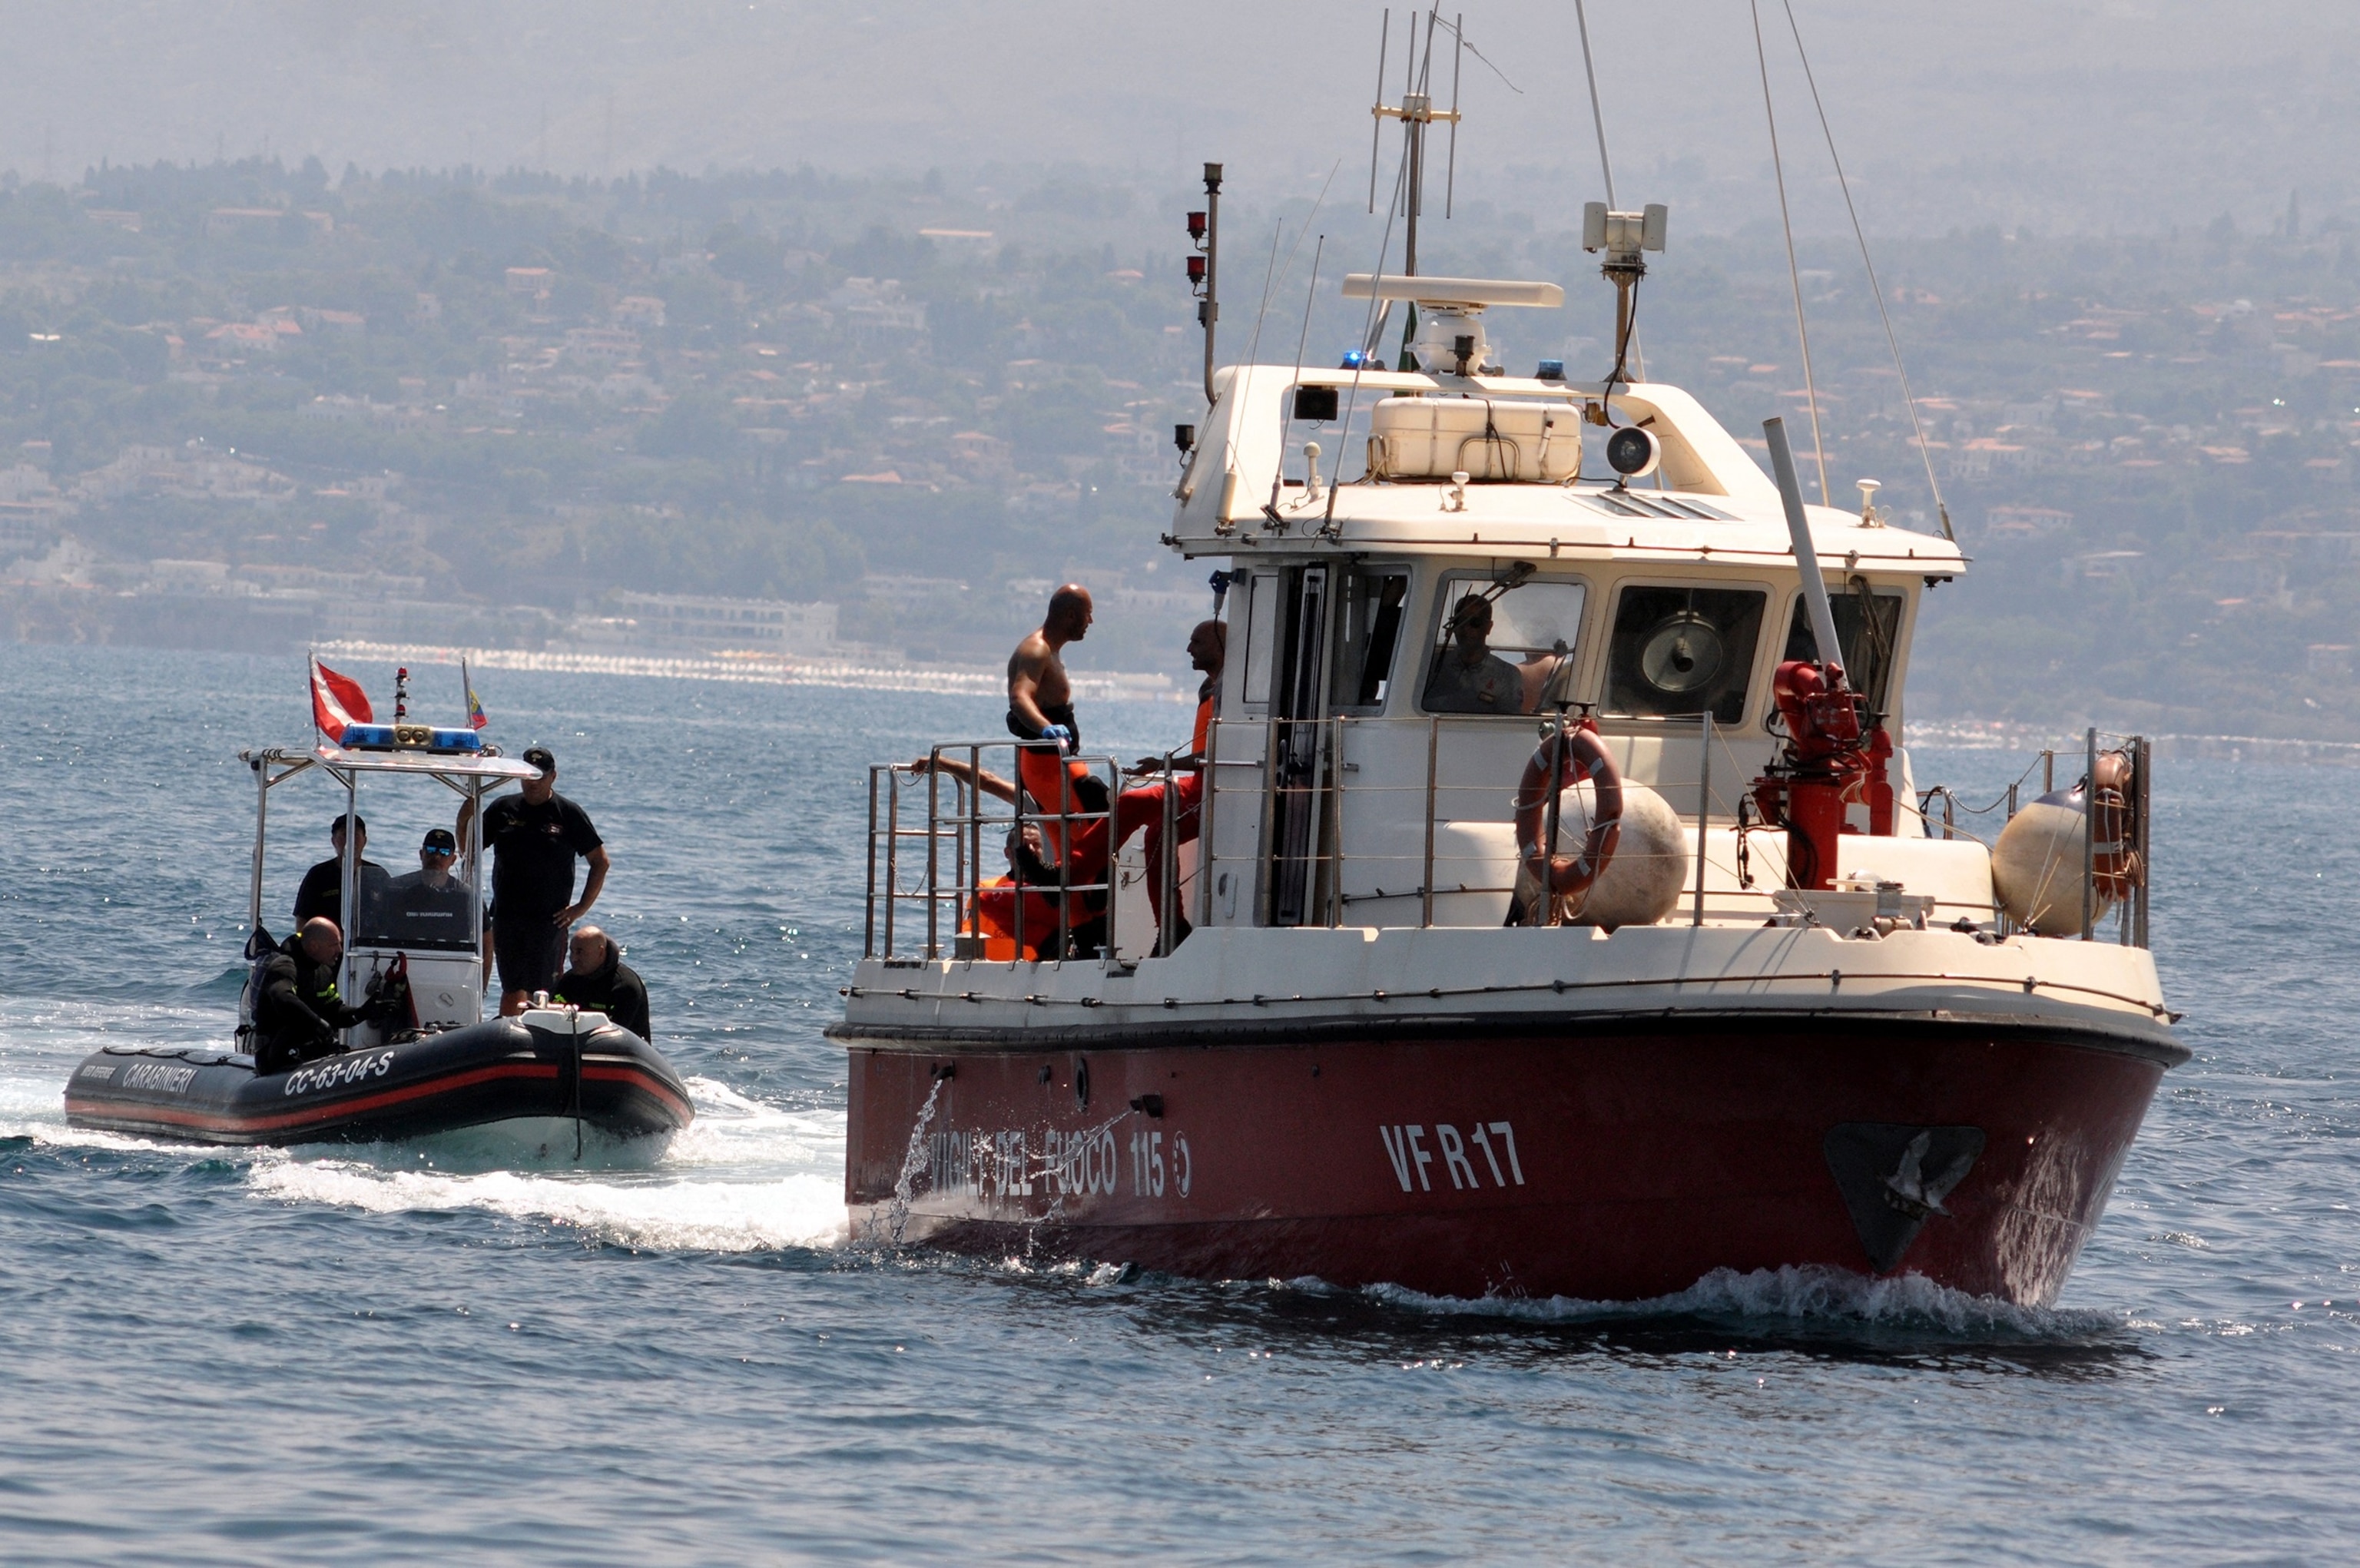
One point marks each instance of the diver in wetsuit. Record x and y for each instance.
(596, 980)
(297, 1011)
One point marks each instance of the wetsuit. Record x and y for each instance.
(298, 1012)
(613, 988)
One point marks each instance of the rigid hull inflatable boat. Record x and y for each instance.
(550, 1064)
(441, 1064)
(1566, 918)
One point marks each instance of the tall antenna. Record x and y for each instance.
(1359, 369)
(1376, 116)
(1596, 112)
(1310, 297)
(1802, 331)
(1458, 57)
(1875, 289)
(1416, 112)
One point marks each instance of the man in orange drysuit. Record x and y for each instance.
(1141, 805)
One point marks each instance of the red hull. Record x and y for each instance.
(1616, 1159)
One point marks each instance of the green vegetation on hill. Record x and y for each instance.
(907, 394)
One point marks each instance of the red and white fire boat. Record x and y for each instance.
(1729, 998)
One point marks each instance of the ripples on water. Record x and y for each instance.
(466, 1348)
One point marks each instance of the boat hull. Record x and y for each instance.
(1607, 1158)
(497, 1070)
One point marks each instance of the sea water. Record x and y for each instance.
(471, 1349)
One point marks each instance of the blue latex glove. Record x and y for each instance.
(1059, 733)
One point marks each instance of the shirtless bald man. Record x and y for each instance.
(1040, 699)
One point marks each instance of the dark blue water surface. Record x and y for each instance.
(459, 1352)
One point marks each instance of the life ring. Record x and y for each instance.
(1579, 753)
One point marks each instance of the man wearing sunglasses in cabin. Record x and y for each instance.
(428, 907)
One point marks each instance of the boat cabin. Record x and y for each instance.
(1425, 573)
(394, 915)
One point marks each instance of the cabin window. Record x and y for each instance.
(1868, 625)
(1260, 618)
(1498, 641)
(1683, 650)
(1373, 604)
(404, 911)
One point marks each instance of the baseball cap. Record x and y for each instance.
(441, 838)
(538, 757)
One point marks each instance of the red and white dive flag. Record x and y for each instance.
(337, 702)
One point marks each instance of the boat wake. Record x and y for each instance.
(746, 1176)
(1789, 1297)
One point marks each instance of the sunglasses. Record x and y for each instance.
(436, 849)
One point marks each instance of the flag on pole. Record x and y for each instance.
(475, 719)
(337, 702)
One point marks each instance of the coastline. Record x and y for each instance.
(764, 669)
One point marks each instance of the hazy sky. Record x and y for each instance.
(2063, 113)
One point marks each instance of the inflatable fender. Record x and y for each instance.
(1562, 759)
(1649, 873)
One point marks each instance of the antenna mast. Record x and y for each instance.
(1204, 268)
(1415, 112)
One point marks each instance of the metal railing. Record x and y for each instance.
(2132, 818)
(927, 851)
(1327, 843)
(1320, 755)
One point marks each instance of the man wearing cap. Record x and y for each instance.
(322, 895)
(535, 836)
(428, 907)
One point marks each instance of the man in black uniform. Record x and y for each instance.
(297, 1011)
(536, 835)
(600, 982)
(321, 896)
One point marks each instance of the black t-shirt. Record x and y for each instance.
(323, 892)
(534, 848)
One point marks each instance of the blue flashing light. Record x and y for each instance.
(1356, 360)
(385, 738)
(1550, 370)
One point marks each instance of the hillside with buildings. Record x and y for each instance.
(245, 405)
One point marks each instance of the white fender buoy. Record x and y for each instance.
(2037, 866)
(1642, 885)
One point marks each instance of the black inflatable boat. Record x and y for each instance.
(547, 1063)
(435, 1063)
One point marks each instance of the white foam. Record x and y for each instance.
(669, 1215)
(41, 1042)
(1796, 1295)
(746, 1176)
